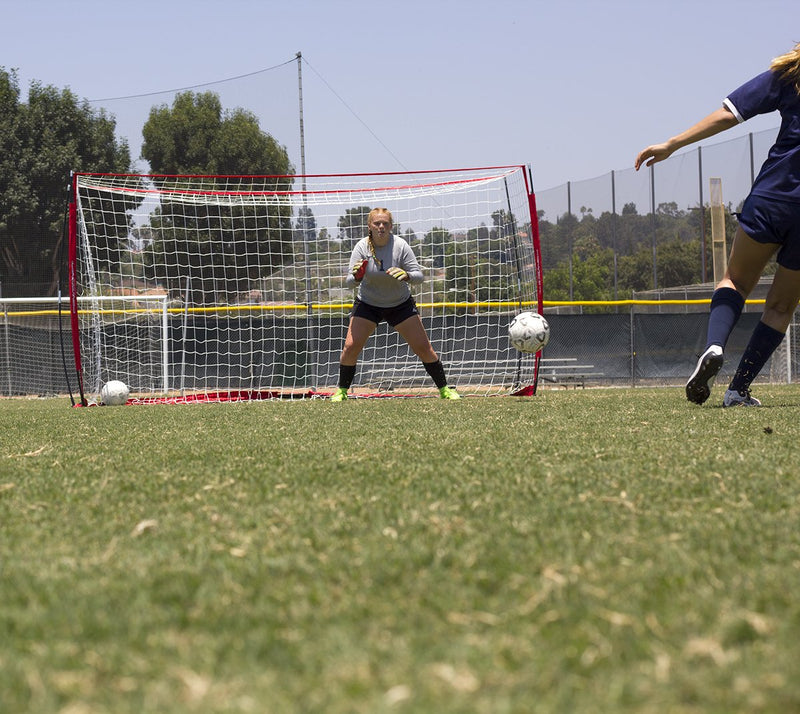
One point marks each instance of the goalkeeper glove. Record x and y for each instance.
(359, 269)
(397, 273)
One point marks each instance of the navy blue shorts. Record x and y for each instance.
(393, 315)
(767, 220)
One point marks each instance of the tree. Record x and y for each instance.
(195, 136)
(480, 234)
(306, 224)
(435, 245)
(410, 237)
(554, 250)
(503, 223)
(678, 263)
(353, 226)
(636, 271)
(591, 279)
(40, 142)
(459, 275)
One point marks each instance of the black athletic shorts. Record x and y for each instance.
(393, 315)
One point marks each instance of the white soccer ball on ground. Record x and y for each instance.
(529, 332)
(114, 393)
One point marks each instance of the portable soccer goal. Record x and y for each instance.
(203, 288)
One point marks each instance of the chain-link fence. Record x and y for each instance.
(626, 231)
(638, 345)
(621, 236)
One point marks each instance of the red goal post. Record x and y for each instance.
(207, 288)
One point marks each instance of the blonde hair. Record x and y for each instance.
(376, 211)
(787, 66)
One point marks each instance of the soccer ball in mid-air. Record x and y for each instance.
(529, 332)
(114, 393)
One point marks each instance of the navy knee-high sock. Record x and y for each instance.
(726, 307)
(763, 342)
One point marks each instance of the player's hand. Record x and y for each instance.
(397, 273)
(359, 269)
(652, 154)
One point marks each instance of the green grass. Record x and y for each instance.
(580, 551)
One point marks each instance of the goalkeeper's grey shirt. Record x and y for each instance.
(377, 288)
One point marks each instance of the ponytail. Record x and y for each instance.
(787, 66)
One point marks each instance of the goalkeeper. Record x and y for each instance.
(383, 266)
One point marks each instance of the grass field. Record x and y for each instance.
(579, 551)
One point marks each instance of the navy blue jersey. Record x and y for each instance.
(779, 177)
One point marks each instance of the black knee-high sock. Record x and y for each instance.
(763, 342)
(347, 374)
(726, 307)
(436, 371)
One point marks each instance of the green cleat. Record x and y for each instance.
(449, 393)
(339, 395)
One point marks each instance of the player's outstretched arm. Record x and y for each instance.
(714, 123)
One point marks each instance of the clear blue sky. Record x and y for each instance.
(575, 88)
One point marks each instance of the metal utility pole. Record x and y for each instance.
(302, 130)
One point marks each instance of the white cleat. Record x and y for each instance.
(698, 388)
(739, 399)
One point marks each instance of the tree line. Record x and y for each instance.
(54, 132)
(585, 257)
(613, 255)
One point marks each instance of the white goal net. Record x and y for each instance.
(233, 287)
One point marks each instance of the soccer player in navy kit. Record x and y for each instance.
(769, 222)
(383, 266)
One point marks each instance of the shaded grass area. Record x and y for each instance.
(593, 551)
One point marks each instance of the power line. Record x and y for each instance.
(352, 111)
(195, 86)
(252, 74)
